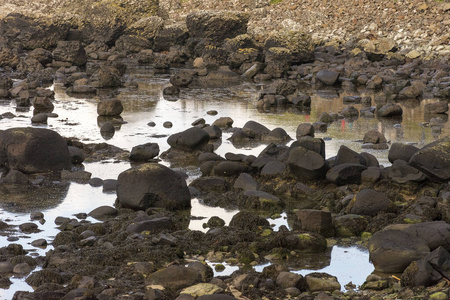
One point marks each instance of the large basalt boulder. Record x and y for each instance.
(369, 202)
(21, 31)
(434, 160)
(346, 174)
(435, 234)
(70, 53)
(401, 151)
(306, 164)
(33, 150)
(402, 172)
(216, 25)
(152, 185)
(144, 152)
(189, 140)
(391, 251)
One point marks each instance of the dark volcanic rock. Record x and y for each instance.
(21, 31)
(401, 151)
(316, 221)
(33, 150)
(390, 110)
(345, 174)
(307, 164)
(70, 53)
(144, 152)
(152, 185)
(328, 77)
(369, 202)
(189, 140)
(216, 25)
(434, 160)
(391, 251)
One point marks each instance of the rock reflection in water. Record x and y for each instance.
(348, 264)
(27, 198)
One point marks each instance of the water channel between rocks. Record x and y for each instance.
(77, 117)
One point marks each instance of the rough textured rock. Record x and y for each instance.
(189, 140)
(434, 160)
(33, 150)
(175, 277)
(345, 174)
(144, 152)
(152, 185)
(401, 151)
(70, 52)
(393, 250)
(216, 25)
(369, 202)
(307, 164)
(316, 221)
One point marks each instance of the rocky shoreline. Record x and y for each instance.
(142, 249)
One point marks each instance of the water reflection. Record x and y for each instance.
(348, 264)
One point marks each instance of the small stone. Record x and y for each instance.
(167, 124)
(22, 268)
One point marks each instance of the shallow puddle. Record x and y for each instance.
(77, 117)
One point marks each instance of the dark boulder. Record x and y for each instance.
(402, 172)
(317, 221)
(374, 137)
(313, 144)
(248, 221)
(328, 77)
(391, 251)
(21, 31)
(189, 140)
(346, 155)
(369, 202)
(420, 273)
(216, 25)
(230, 168)
(255, 130)
(434, 160)
(304, 129)
(33, 150)
(152, 185)
(435, 234)
(174, 277)
(390, 110)
(144, 152)
(401, 151)
(69, 53)
(306, 164)
(346, 173)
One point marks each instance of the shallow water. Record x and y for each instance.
(77, 117)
